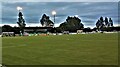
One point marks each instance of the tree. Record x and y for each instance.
(98, 24)
(106, 22)
(71, 24)
(87, 30)
(101, 22)
(110, 22)
(45, 21)
(21, 22)
(103, 25)
(7, 28)
(94, 29)
(101, 19)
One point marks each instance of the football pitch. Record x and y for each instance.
(77, 49)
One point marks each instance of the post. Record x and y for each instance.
(54, 18)
(54, 13)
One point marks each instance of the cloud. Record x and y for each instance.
(0, 13)
(88, 12)
(60, 0)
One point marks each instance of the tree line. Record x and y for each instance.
(71, 24)
(104, 23)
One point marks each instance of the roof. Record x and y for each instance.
(37, 27)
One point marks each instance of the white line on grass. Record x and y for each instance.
(14, 46)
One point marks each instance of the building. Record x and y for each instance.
(38, 29)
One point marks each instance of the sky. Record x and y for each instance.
(59, 0)
(88, 12)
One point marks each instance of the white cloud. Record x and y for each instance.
(87, 11)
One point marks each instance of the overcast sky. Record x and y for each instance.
(88, 12)
(59, 0)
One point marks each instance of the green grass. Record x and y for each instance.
(80, 49)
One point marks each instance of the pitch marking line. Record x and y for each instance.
(13, 46)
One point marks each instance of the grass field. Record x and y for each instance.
(79, 49)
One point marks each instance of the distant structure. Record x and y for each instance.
(5, 34)
(21, 23)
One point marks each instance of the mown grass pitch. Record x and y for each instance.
(79, 49)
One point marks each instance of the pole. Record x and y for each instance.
(54, 18)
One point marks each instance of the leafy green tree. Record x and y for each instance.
(101, 19)
(98, 24)
(87, 30)
(110, 22)
(106, 22)
(45, 21)
(71, 24)
(21, 22)
(102, 24)
(7, 28)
